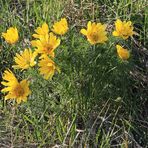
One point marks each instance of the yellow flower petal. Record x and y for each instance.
(11, 36)
(89, 26)
(122, 52)
(47, 44)
(84, 31)
(123, 29)
(47, 67)
(14, 89)
(95, 33)
(25, 59)
(41, 31)
(115, 33)
(60, 27)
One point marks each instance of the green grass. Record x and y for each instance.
(97, 100)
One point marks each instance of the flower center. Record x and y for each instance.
(124, 32)
(94, 36)
(28, 62)
(48, 48)
(51, 66)
(19, 91)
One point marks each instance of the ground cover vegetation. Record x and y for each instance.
(73, 73)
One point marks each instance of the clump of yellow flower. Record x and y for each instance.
(95, 33)
(123, 53)
(47, 67)
(14, 89)
(25, 59)
(60, 27)
(41, 31)
(123, 29)
(11, 36)
(46, 44)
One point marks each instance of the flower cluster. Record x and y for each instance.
(45, 43)
(96, 33)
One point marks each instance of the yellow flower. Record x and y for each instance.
(41, 31)
(47, 67)
(123, 29)
(14, 89)
(60, 27)
(46, 44)
(95, 33)
(122, 52)
(11, 36)
(25, 59)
